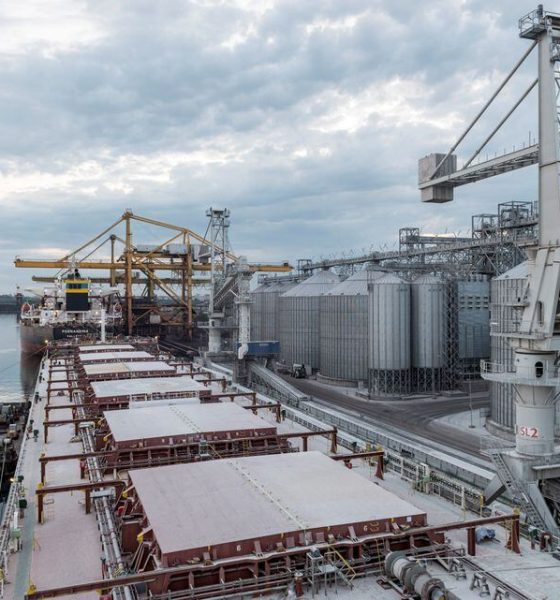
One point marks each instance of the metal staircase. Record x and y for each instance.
(344, 569)
(326, 568)
(537, 513)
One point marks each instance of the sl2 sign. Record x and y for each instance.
(528, 432)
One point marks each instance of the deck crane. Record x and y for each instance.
(535, 338)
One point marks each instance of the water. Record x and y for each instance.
(18, 372)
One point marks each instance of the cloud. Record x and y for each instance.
(306, 119)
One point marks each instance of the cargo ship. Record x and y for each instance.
(144, 477)
(70, 309)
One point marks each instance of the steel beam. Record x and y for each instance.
(88, 487)
(76, 422)
(489, 168)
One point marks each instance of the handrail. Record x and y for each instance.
(13, 495)
(508, 373)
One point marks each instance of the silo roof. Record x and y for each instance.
(274, 286)
(355, 285)
(520, 271)
(281, 286)
(388, 278)
(316, 285)
(428, 279)
(261, 289)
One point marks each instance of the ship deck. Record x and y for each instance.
(105, 347)
(147, 366)
(230, 502)
(66, 549)
(178, 421)
(90, 357)
(148, 385)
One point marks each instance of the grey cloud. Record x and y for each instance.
(159, 81)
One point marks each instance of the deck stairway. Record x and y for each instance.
(325, 568)
(344, 570)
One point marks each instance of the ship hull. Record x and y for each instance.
(34, 338)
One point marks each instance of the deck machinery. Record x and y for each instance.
(535, 376)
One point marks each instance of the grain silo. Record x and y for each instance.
(430, 356)
(344, 331)
(506, 292)
(300, 323)
(389, 336)
(473, 323)
(265, 309)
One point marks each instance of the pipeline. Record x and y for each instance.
(112, 550)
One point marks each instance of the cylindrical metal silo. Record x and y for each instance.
(299, 323)
(265, 309)
(389, 336)
(429, 333)
(506, 292)
(344, 331)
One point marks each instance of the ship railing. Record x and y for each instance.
(11, 503)
(162, 396)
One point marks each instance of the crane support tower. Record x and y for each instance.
(535, 377)
(230, 277)
(173, 268)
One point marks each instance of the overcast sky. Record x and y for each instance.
(305, 117)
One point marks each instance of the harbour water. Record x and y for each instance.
(17, 372)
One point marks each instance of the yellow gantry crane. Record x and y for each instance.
(170, 266)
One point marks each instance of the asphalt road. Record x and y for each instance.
(417, 415)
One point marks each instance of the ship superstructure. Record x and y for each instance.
(70, 308)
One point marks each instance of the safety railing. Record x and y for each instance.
(507, 373)
(11, 503)
(532, 23)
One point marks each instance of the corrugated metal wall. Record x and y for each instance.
(430, 334)
(505, 290)
(265, 310)
(390, 323)
(474, 321)
(300, 322)
(344, 330)
(428, 322)
(389, 336)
